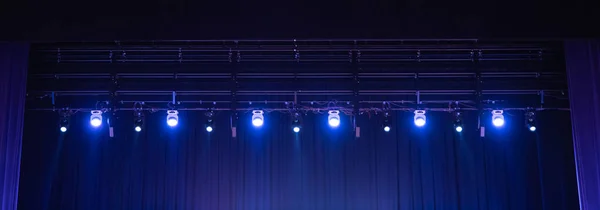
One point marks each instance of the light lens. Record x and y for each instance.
(419, 121)
(63, 129)
(459, 128)
(138, 128)
(172, 122)
(96, 122)
(334, 122)
(209, 128)
(498, 121)
(532, 128)
(386, 128)
(296, 129)
(257, 122)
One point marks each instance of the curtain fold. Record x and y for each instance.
(583, 73)
(265, 168)
(13, 78)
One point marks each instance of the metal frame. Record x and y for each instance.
(360, 74)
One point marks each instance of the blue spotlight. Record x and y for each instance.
(420, 118)
(96, 118)
(334, 118)
(257, 118)
(498, 118)
(172, 118)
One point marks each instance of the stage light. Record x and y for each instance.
(172, 118)
(386, 123)
(334, 118)
(498, 118)
(296, 124)
(458, 125)
(209, 125)
(530, 121)
(96, 118)
(64, 121)
(138, 120)
(257, 118)
(209, 121)
(420, 118)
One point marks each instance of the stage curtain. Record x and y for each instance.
(583, 71)
(408, 168)
(13, 77)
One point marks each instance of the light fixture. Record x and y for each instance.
(420, 118)
(96, 118)
(172, 118)
(296, 123)
(386, 123)
(257, 118)
(530, 121)
(209, 121)
(458, 124)
(138, 120)
(497, 118)
(334, 118)
(64, 122)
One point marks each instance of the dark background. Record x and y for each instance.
(165, 20)
(321, 168)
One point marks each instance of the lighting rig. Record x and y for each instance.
(337, 78)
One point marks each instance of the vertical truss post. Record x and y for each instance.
(475, 56)
(114, 102)
(355, 103)
(234, 86)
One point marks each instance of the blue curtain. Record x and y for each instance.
(583, 71)
(319, 168)
(13, 77)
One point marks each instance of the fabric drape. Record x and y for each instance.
(320, 168)
(583, 71)
(13, 78)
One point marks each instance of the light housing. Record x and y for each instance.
(530, 121)
(334, 118)
(257, 118)
(172, 117)
(64, 124)
(458, 123)
(138, 121)
(498, 118)
(386, 123)
(96, 118)
(209, 125)
(296, 126)
(420, 118)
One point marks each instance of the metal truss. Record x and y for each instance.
(248, 74)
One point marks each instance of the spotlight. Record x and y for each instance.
(420, 118)
(334, 118)
(138, 121)
(257, 118)
(172, 117)
(497, 118)
(96, 118)
(64, 121)
(458, 125)
(386, 123)
(209, 125)
(296, 124)
(209, 121)
(530, 121)
(63, 125)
